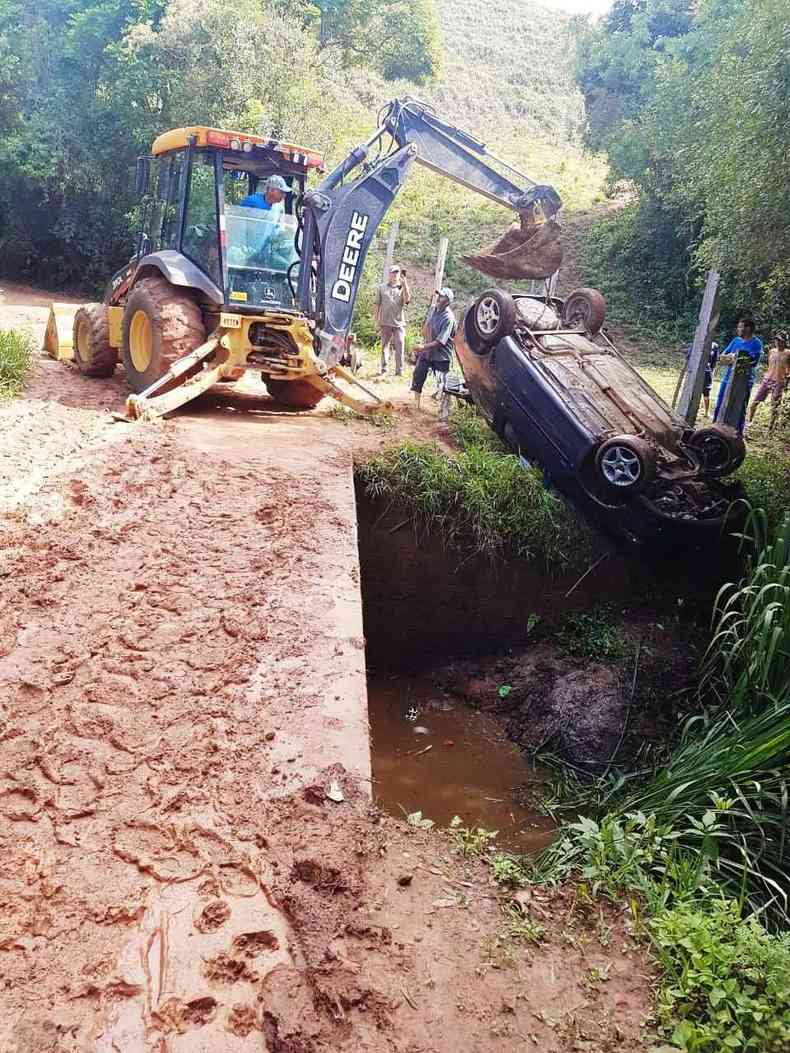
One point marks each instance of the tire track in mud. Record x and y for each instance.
(139, 597)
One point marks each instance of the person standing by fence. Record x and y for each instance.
(743, 353)
(774, 381)
(392, 297)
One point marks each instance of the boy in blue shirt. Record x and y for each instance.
(741, 354)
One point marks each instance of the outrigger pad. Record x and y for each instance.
(525, 250)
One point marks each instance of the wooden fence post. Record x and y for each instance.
(390, 254)
(441, 259)
(694, 378)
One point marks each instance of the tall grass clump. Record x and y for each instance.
(480, 500)
(16, 359)
(765, 475)
(748, 660)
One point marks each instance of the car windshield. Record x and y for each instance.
(260, 252)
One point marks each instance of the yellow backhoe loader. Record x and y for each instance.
(241, 267)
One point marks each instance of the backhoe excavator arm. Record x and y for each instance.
(341, 215)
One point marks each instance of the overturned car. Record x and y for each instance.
(554, 388)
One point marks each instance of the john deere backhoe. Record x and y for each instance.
(217, 288)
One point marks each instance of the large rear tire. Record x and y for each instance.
(91, 341)
(160, 325)
(297, 394)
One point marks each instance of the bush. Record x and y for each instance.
(727, 982)
(766, 480)
(16, 359)
(639, 257)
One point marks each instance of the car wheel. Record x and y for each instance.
(720, 449)
(626, 464)
(584, 309)
(492, 317)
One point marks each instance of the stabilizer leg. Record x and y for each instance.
(149, 404)
(364, 408)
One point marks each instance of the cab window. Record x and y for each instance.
(201, 229)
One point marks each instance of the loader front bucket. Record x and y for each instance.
(528, 249)
(58, 335)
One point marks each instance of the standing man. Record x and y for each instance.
(774, 380)
(741, 355)
(437, 351)
(391, 299)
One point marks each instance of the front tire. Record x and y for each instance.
(161, 324)
(626, 464)
(297, 394)
(91, 341)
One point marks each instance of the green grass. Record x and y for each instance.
(724, 980)
(765, 475)
(16, 360)
(593, 635)
(481, 500)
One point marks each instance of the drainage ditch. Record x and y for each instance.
(425, 607)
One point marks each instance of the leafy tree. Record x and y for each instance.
(693, 107)
(88, 84)
(398, 38)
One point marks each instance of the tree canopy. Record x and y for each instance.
(691, 103)
(86, 85)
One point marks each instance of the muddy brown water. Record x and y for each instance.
(451, 760)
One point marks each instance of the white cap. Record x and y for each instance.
(447, 293)
(276, 182)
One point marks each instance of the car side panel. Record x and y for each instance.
(511, 389)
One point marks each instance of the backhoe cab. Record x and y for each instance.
(210, 292)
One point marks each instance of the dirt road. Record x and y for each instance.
(181, 678)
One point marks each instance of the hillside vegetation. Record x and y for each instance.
(691, 103)
(86, 89)
(507, 62)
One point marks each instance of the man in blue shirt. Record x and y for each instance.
(274, 190)
(437, 351)
(741, 355)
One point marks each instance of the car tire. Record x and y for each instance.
(490, 319)
(584, 308)
(626, 464)
(720, 449)
(91, 341)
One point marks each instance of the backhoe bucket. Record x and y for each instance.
(58, 335)
(528, 249)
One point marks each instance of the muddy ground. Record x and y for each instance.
(180, 657)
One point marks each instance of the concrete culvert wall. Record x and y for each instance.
(423, 602)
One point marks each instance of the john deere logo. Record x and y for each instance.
(341, 290)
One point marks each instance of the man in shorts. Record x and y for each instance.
(774, 381)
